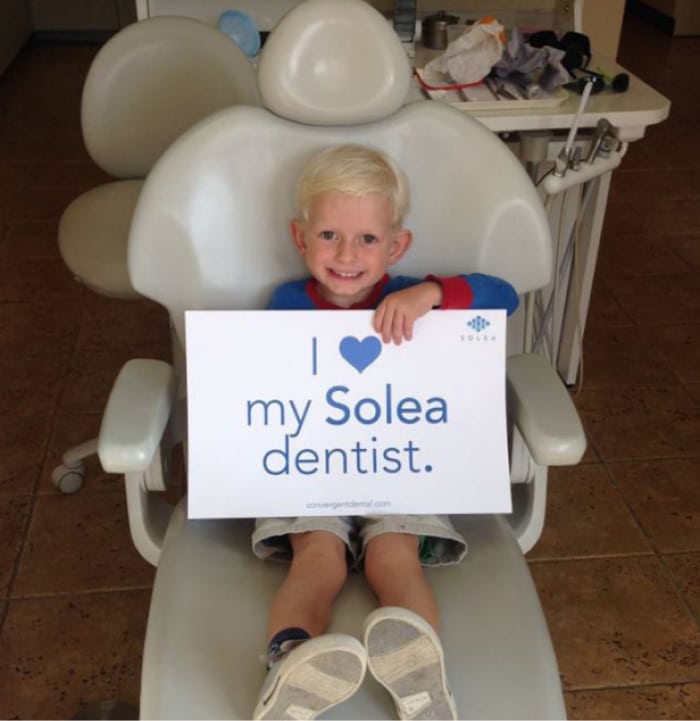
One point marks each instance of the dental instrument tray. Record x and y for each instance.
(490, 94)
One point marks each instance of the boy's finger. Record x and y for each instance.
(390, 327)
(378, 319)
(408, 328)
(386, 326)
(397, 329)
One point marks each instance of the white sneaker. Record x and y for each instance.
(405, 655)
(315, 675)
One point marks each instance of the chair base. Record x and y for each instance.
(206, 631)
(69, 475)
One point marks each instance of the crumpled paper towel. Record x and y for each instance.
(470, 57)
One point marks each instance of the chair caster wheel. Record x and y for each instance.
(69, 480)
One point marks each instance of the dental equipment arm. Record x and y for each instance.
(564, 158)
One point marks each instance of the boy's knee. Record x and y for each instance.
(321, 551)
(389, 552)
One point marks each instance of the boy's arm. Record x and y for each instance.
(400, 308)
(409, 299)
(477, 291)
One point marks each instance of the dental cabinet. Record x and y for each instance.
(576, 203)
(554, 321)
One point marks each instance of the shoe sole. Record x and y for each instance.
(318, 674)
(405, 655)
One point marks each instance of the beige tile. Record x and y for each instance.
(623, 356)
(586, 516)
(693, 390)
(37, 280)
(46, 204)
(76, 174)
(31, 385)
(688, 248)
(635, 186)
(679, 346)
(18, 146)
(653, 217)
(14, 511)
(617, 622)
(604, 311)
(38, 328)
(626, 422)
(30, 239)
(685, 569)
(665, 498)
(590, 455)
(640, 702)
(71, 147)
(632, 254)
(86, 537)
(14, 176)
(23, 442)
(118, 324)
(664, 300)
(59, 654)
(92, 374)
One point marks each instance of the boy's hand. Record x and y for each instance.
(396, 314)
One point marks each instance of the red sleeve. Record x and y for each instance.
(456, 292)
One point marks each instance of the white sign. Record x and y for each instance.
(304, 413)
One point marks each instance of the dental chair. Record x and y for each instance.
(145, 87)
(211, 232)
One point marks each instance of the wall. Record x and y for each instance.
(602, 19)
(602, 22)
(685, 13)
(82, 15)
(15, 28)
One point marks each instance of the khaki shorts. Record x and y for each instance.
(440, 544)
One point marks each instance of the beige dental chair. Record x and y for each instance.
(146, 86)
(211, 232)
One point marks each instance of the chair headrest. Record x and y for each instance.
(152, 81)
(333, 62)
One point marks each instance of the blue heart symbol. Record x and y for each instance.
(360, 353)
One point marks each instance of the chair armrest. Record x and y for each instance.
(136, 415)
(542, 410)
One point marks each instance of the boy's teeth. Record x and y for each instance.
(346, 275)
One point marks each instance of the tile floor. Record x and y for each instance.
(618, 565)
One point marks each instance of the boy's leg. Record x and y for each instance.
(315, 577)
(394, 573)
(309, 672)
(404, 652)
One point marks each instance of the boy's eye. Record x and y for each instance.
(327, 234)
(368, 238)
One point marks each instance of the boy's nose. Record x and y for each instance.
(346, 250)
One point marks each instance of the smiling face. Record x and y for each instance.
(348, 242)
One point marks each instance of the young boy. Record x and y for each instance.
(351, 202)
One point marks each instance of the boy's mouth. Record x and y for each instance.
(344, 274)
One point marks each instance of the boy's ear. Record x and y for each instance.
(402, 242)
(297, 231)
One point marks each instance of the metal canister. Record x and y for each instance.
(435, 29)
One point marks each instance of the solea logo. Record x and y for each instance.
(478, 324)
(476, 327)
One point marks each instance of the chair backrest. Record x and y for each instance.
(211, 226)
(154, 80)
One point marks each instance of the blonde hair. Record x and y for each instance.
(355, 170)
